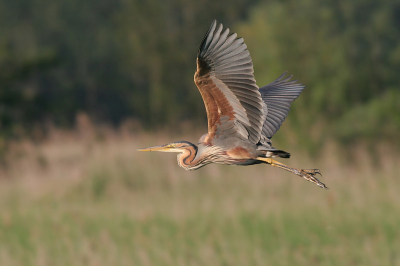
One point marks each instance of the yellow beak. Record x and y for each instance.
(155, 148)
(162, 148)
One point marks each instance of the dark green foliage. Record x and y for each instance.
(111, 59)
(347, 53)
(120, 59)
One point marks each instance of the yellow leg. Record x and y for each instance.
(308, 174)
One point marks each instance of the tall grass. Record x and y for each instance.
(82, 200)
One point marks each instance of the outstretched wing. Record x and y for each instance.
(278, 97)
(226, 82)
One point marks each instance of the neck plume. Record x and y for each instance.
(187, 159)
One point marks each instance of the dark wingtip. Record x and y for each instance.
(202, 44)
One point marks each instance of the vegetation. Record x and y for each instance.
(346, 52)
(132, 59)
(75, 200)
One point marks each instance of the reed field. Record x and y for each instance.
(79, 199)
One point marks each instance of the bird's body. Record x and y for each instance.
(242, 118)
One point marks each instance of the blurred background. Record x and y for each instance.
(83, 84)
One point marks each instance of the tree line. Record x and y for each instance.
(135, 59)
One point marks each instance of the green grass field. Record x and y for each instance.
(74, 201)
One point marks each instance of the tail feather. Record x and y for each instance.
(277, 153)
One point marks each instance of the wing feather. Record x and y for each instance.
(226, 82)
(278, 97)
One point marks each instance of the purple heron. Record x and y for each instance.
(242, 118)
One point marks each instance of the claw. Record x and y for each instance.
(309, 174)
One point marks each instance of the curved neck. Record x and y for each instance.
(187, 159)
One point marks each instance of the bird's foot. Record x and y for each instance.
(309, 174)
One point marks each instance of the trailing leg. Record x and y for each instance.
(308, 174)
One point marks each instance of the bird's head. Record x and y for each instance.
(179, 146)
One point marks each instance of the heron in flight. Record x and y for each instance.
(242, 118)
